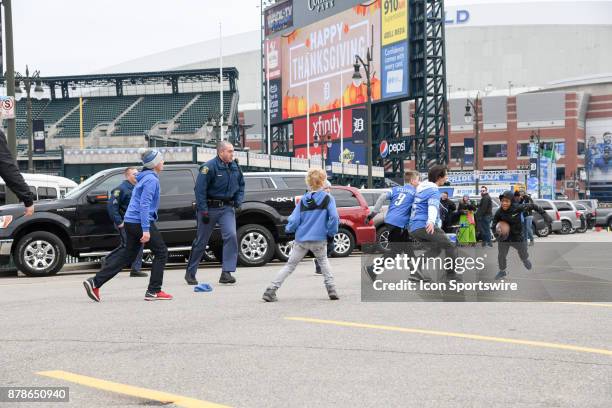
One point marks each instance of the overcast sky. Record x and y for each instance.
(69, 37)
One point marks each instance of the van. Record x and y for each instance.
(43, 186)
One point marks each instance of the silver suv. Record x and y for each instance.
(570, 216)
(551, 209)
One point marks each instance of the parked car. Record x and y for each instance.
(551, 210)
(591, 208)
(43, 186)
(79, 224)
(570, 216)
(353, 233)
(603, 217)
(382, 232)
(587, 219)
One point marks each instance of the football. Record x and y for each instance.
(502, 229)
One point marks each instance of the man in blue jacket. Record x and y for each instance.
(219, 191)
(313, 221)
(118, 203)
(139, 224)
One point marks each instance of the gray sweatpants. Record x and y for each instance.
(299, 251)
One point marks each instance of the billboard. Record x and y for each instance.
(599, 150)
(312, 63)
(279, 17)
(347, 124)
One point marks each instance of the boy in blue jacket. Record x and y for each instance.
(313, 221)
(139, 224)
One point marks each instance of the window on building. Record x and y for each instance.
(495, 150)
(522, 150)
(560, 173)
(558, 146)
(581, 148)
(456, 152)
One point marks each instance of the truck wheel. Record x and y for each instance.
(40, 253)
(542, 232)
(344, 243)
(255, 245)
(283, 250)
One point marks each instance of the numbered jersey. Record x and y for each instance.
(401, 199)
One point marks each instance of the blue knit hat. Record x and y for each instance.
(150, 157)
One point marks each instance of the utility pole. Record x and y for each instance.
(11, 130)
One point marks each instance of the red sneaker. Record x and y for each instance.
(92, 291)
(157, 296)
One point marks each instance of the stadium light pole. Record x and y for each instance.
(11, 131)
(535, 138)
(367, 66)
(27, 81)
(468, 119)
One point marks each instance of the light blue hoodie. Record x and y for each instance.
(316, 224)
(426, 206)
(145, 200)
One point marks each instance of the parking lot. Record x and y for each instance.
(230, 348)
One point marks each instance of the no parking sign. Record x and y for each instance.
(7, 107)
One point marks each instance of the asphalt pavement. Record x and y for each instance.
(229, 348)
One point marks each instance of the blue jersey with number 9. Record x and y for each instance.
(401, 199)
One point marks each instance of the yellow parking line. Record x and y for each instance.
(458, 335)
(130, 390)
(585, 304)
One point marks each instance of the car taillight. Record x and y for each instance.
(578, 214)
(558, 216)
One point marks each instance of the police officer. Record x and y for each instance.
(117, 206)
(219, 192)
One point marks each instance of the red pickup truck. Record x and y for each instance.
(352, 232)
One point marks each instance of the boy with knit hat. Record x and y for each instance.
(140, 228)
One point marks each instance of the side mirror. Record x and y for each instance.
(96, 197)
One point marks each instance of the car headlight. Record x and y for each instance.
(5, 220)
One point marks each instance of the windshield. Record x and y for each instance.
(84, 185)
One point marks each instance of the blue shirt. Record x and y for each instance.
(220, 181)
(145, 200)
(314, 224)
(401, 199)
(426, 207)
(119, 201)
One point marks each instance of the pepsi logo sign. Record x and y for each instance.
(384, 149)
(387, 148)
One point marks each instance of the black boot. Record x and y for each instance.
(190, 280)
(226, 277)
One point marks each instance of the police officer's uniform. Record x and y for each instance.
(117, 206)
(219, 191)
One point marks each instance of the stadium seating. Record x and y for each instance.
(152, 109)
(140, 119)
(96, 110)
(197, 114)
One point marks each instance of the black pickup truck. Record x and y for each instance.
(79, 225)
